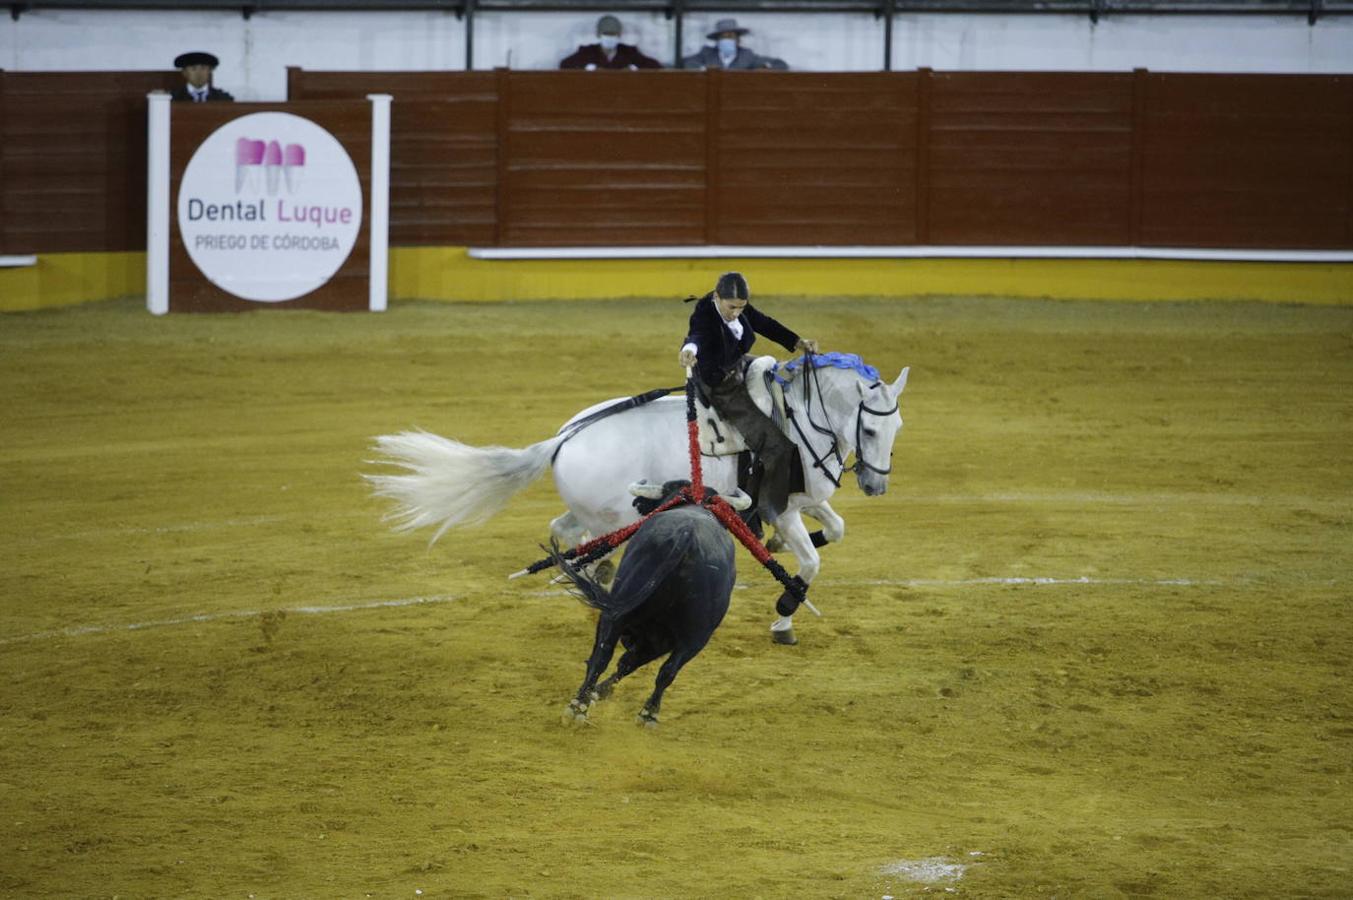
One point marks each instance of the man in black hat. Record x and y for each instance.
(196, 88)
(608, 52)
(720, 336)
(728, 52)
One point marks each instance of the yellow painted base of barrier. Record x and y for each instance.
(63, 279)
(441, 273)
(449, 273)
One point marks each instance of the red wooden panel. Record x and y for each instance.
(604, 157)
(1030, 158)
(443, 133)
(73, 147)
(1247, 160)
(583, 233)
(303, 84)
(620, 95)
(815, 158)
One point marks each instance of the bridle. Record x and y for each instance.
(859, 437)
(833, 453)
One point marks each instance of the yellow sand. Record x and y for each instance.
(188, 709)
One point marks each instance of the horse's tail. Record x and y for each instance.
(588, 590)
(451, 484)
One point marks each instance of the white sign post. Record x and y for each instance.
(157, 204)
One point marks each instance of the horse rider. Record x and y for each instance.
(723, 327)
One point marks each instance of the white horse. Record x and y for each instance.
(834, 412)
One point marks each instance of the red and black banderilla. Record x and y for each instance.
(796, 589)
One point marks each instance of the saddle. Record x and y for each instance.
(719, 437)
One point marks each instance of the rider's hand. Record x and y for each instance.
(687, 358)
(806, 344)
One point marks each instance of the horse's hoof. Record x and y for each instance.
(576, 714)
(646, 719)
(776, 543)
(785, 637)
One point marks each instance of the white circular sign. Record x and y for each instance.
(269, 206)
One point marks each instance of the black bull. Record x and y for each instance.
(670, 593)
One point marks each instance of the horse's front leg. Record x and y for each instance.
(800, 543)
(833, 526)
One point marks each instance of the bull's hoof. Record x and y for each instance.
(776, 543)
(647, 718)
(785, 637)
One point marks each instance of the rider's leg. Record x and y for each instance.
(774, 451)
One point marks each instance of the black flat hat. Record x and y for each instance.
(196, 58)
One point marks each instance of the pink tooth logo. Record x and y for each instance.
(248, 157)
(265, 162)
(272, 165)
(293, 159)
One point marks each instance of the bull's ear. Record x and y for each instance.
(901, 381)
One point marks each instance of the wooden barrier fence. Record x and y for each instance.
(513, 158)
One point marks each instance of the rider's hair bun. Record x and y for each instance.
(732, 286)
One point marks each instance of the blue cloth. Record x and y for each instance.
(785, 372)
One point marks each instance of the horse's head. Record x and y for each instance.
(877, 422)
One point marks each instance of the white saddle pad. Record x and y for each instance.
(720, 438)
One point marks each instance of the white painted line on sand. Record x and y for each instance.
(932, 870)
(1017, 581)
(1035, 581)
(83, 630)
(1164, 498)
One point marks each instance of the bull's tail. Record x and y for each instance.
(588, 590)
(450, 484)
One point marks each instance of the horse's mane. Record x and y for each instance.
(786, 371)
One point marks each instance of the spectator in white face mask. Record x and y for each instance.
(728, 52)
(608, 52)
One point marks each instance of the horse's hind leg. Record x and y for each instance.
(648, 716)
(603, 648)
(567, 530)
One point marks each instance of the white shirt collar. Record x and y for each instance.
(199, 92)
(735, 326)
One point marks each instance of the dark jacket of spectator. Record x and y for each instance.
(213, 94)
(708, 58)
(627, 56)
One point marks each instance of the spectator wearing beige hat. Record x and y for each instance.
(608, 52)
(728, 52)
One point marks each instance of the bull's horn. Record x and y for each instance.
(644, 489)
(739, 499)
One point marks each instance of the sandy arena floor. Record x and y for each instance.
(1094, 642)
